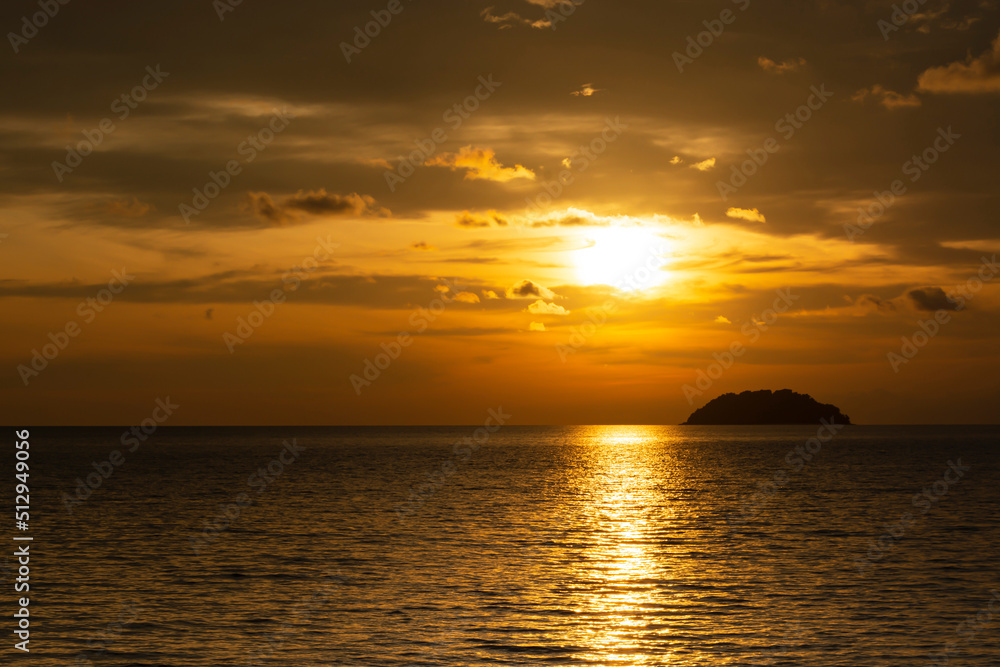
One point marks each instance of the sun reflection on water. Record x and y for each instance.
(629, 491)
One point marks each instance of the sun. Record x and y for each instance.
(628, 258)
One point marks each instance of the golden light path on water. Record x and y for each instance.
(630, 512)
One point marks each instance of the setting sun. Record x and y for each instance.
(628, 258)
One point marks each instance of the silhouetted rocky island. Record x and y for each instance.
(765, 407)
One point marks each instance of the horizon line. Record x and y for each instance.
(166, 426)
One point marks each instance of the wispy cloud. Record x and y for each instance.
(974, 75)
(889, 99)
(783, 67)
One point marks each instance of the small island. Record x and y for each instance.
(765, 407)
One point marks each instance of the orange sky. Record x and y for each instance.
(558, 221)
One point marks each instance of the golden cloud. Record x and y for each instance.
(542, 308)
(491, 217)
(480, 163)
(748, 214)
(588, 90)
(769, 65)
(466, 297)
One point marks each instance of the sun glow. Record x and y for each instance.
(629, 258)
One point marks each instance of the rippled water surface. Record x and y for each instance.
(560, 546)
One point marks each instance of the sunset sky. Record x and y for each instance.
(425, 174)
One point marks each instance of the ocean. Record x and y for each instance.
(612, 546)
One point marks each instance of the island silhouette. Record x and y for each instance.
(765, 407)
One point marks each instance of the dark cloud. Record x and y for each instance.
(878, 303)
(527, 289)
(300, 206)
(367, 291)
(931, 299)
(377, 106)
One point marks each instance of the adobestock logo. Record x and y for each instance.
(31, 25)
(697, 44)
(421, 319)
(60, 340)
(787, 126)
(122, 107)
(931, 327)
(247, 326)
(103, 470)
(579, 162)
(249, 149)
(727, 359)
(455, 116)
(914, 169)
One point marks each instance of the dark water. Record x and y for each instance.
(560, 546)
